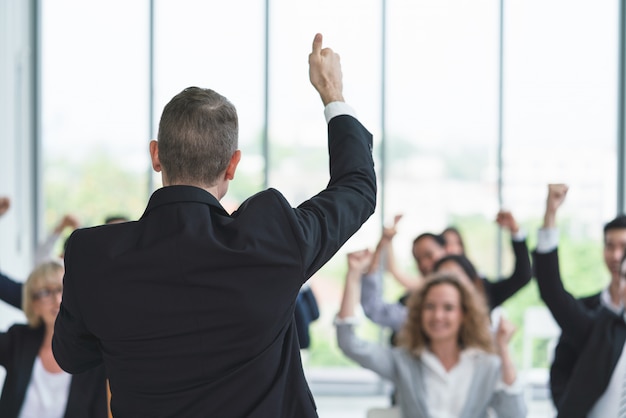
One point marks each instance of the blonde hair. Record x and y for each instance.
(474, 330)
(44, 274)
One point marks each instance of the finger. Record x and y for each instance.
(317, 43)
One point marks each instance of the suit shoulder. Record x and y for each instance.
(269, 198)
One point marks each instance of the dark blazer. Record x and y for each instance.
(192, 309)
(10, 291)
(600, 335)
(565, 356)
(19, 347)
(498, 291)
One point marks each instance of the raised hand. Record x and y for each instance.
(5, 204)
(68, 221)
(325, 72)
(556, 197)
(505, 331)
(390, 231)
(359, 261)
(505, 219)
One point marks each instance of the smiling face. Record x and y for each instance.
(442, 313)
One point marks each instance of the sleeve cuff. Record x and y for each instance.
(348, 320)
(547, 240)
(515, 389)
(519, 236)
(333, 109)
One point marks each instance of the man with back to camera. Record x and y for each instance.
(190, 308)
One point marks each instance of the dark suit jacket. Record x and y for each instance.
(498, 291)
(19, 347)
(600, 334)
(10, 291)
(192, 309)
(565, 356)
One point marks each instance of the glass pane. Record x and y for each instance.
(560, 127)
(560, 122)
(94, 109)
(441, 130)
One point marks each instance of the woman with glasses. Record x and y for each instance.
(35, 385)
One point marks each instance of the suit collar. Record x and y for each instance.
(178, 194)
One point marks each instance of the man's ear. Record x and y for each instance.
(232, 166)
(154, 156)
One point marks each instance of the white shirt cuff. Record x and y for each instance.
(547, 240)
(519, 236)
(348, 320)
(514, 389)
(333, 109)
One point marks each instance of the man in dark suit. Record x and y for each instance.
(590, 365)
(191, 309)
(566, 352)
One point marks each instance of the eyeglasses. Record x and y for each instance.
(47, 293)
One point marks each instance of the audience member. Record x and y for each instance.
(190, 308)
(454, 241)
(35, 385)
(445, 363)
(614, 250)
(496, 292)
(592, 381)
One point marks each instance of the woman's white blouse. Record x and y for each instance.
(47, 393)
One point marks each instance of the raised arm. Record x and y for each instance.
(11, 291)
(375, 308)
(406, 280)
(380, 257)
(369, 355)
(358, 263)
(556, 197)
(327, 220)
(44, 250)
(505, 331)
(569, 313)
(501, 290)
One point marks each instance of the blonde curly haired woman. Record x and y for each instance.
(446, 362)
